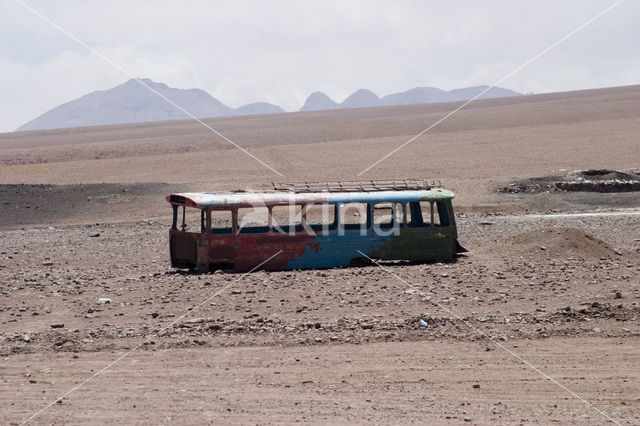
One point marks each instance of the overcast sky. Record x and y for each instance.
(281, 51)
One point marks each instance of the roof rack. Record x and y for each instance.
(357, 186)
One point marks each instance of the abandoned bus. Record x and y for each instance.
(313, 225)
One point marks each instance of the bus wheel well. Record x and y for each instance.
(222, 266)
(360, 261)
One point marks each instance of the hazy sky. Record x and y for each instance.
(281, 51)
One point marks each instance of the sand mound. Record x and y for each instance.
(559, 242)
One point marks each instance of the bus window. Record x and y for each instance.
(321, 216)
(221, 221)
(286, 219)
(253, 220)
(387, 214)
(193, 220)
(354, 216)
(440, 214)
(382, 214)
(414, 215)
(419, 213)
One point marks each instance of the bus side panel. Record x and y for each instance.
(430, 243)
(327, 251)
(337, 250)
(222, 251)
(252, 249)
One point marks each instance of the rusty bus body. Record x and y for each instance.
(412, 225)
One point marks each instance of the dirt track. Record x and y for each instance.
(341, 345)
(430, 382)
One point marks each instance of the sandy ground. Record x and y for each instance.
(84, 218)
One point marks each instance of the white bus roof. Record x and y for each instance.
(219, 200)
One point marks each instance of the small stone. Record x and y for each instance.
(596, 330)
(618, 295)
(26, 338)
(47, 309)
(94, 235)
(47, 263)
(155, 314)
(57, 325)
(543, 248)
(104, 300)
(476, 386)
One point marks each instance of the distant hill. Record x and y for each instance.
(470, 92)
(417, 95)
(259, 108)
(317, 101)
(130, 102)
(360, 99)
(363, 98)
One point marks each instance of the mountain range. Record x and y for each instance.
(132, 102)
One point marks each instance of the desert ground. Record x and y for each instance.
(537, 323)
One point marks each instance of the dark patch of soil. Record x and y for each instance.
(88, 203)
(594, 180)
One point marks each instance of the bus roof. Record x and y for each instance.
(253, 199)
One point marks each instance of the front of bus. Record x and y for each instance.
(188, 239)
